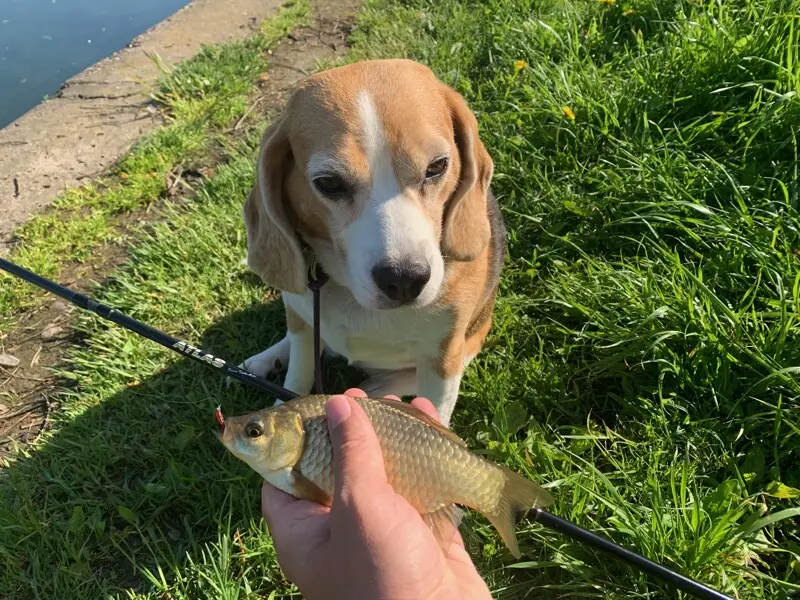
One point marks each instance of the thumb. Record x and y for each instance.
(357, 455)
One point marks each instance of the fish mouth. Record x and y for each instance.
(222, 429)
(220, 419)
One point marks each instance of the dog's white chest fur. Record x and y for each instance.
(373, 339)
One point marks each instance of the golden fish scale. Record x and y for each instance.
(422, 465)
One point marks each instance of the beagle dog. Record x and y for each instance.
(376, 171)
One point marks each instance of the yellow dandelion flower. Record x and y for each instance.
(608, 1)
(568, 112)
(519, 65)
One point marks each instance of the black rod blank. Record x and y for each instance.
(545, 518)
(648, 566)
(145, 330)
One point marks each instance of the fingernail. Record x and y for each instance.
(337, 410)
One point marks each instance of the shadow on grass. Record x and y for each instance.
(138, 480)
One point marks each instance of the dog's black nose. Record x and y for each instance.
(401, 282)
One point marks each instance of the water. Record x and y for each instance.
(45, 42)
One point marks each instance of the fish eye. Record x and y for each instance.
(254, 429)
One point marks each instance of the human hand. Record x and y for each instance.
(371, 543)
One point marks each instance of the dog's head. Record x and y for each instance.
(378, 166)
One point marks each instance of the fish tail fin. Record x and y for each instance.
(444, 523)
(519, 495)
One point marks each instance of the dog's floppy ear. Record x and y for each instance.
(273, 249)
(466, 230)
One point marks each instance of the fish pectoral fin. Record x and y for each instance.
(444, 523)
(308, 490)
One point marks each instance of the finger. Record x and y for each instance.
(357, 456)
(458, 554)
(275, 505)
(392, 397)
(426, 406)
(458, 542)
(355, 393)
(280, 509)
(297, 527)
(274, 500)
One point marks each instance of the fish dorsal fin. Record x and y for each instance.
(413, 411)
(443, 524)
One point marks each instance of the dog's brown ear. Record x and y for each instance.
(466, 230)
(273, 249)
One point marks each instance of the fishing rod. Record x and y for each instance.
(539, 515)
(150, 333)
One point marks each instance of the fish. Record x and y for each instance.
(426, 463)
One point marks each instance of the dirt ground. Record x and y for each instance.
(27, 398)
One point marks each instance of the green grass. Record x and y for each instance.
(646, 351)
(200, 98)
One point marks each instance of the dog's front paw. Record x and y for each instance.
(269, 362)
(263, 368)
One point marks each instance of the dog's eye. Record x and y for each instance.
(436, 168)
(254, 429)
(330, 185)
